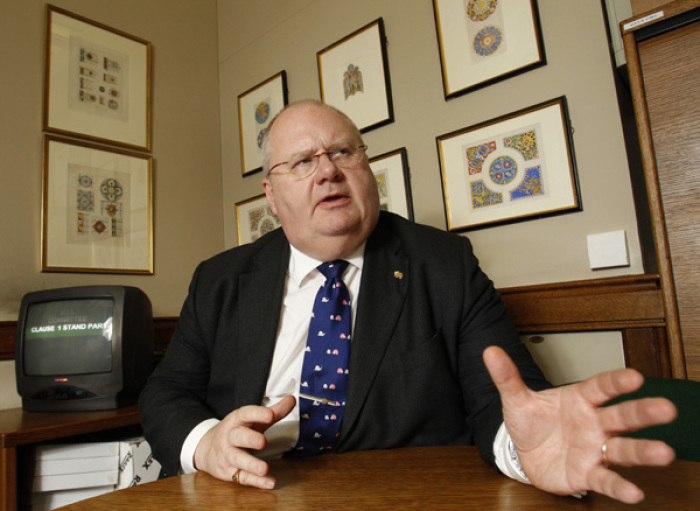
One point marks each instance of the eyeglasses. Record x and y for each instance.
(346, 157)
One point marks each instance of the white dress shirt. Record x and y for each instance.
(301, 286)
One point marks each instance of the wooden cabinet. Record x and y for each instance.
(662, 48)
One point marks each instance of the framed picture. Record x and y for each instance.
(97, 209)
(256, 108)
(354, 77)
(393, 182)
(97, 82)
(255, 219)
(484, 41)
(517, 167)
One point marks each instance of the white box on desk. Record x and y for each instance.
(71, 451)
(71, 466)
(79, 480)
(137, 465)
(75, 465)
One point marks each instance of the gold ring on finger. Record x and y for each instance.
(604, 452)
(235, 476)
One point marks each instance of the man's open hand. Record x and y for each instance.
(559, 433)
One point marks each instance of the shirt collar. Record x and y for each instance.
(301, 265)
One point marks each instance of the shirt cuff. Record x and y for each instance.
(506, 457)
(191, 442)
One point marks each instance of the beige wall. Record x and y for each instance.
(188, 220)
(193, 92)
(259, 39)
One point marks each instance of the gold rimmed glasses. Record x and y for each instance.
(299, 167)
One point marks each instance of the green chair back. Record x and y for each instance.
(683, 434)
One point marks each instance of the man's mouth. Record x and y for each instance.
(331, 200)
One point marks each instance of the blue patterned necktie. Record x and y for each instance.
(324, 374)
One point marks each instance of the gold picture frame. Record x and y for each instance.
(97, 209)
(354, 77)
(517, 167)
(484, 41)
(256, 109)
(254, 219)
(393, 178)
(97, 82)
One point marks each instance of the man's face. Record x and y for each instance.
(332, 211)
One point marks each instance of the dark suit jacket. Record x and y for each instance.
(425, 314)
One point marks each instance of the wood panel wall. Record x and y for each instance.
(662, 57)
(631, 304)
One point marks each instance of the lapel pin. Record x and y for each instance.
(398, 275)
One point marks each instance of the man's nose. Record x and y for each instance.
(326, 168)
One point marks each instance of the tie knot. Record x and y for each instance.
(334, 269)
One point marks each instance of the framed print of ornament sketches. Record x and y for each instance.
(255, 219)
(97, 212)
(354, 77)
(484, 41)
(393, 182)
(256, 108)
(97, 82)
(516, 167)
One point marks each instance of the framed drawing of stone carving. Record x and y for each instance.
(354, 77)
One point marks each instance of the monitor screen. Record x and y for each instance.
(69, 337)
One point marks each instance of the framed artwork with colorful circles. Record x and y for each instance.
(485, 41)
(256, 108)
(393, 178)
(97, 209)
(255, 219)
(517, 167)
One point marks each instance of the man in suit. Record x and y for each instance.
(434, 359)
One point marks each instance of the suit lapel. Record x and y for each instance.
(260, 298)
(385, 268)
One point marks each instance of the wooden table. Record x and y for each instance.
(426, 478)
(19, 428)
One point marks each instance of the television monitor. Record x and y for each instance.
(83, 348)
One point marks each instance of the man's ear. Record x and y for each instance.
(269, 194)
